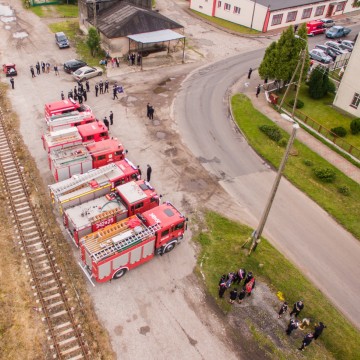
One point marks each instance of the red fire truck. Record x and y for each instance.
(73, 118)
(127, 199)
(63, 107)
(112, 251)
(93, 184)
(78, 159)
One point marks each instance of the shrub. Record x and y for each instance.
(331, 87)
(282, 142)
(299, 104)
(344, 190)
(355, 126)
(339, 131)
(272, 131)
(308, 162)
(325, 174)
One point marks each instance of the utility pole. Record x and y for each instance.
(94, 4)
(253, 13)
(303, 55)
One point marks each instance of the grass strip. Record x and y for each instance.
(221, 252)
(299, 169)
(72, 30)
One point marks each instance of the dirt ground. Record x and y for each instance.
(160, 310)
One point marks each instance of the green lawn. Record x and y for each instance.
(345, 209)
(71, 29)
(68, 11)
(221, 252)
(51, 11)
(325, 114)
(227, 24)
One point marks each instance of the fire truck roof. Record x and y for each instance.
(104, 147)
(165, 214)
(84, 214)
(133, 191)
(70, 155)
(63, 136)
(92, 128)
(62, 104)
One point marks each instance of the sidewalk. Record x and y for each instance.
(262, 105)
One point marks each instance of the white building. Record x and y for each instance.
(265, 15)
(348, 95)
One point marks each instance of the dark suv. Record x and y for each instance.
(72, 65)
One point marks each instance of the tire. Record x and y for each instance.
(169, 247)
(120, 273)
(100, 73)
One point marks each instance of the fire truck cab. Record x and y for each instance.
(127, 200)
(94, 131)
(105, 152)
(63, 107)
(93, 184)
(112, 251)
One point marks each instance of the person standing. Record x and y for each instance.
(80, 97)
(248, 277)
(56, 70)
(298, 306)
(233, 296)
(62, 96)
(250, 286)
(43, 66)
(106, 122)
(101, 86)
(306, 341)
(37, 68)
(258, 89)
(75, 91)
(84, 95)
(222, 289)
(318, 330)
(148, 106)
(148, 173)
(87, 85)
(139, 170)
(293, 325)
(96, 89)
(115, 92)
(12, 82)
(111, 117)
(240, 275)
(47, 67)
(249, 73)
(106, 86)
(70, 94)
(32, 71)
(151, 113)
(283, 309)
(242, 294)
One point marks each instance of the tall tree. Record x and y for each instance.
(316, 89)
(93, 41)
(267, 68)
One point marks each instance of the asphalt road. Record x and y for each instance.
(300, 229)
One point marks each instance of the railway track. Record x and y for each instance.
(63, 331)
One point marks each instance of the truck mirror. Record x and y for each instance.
(126, 151)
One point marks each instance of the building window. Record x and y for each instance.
(291, 16)
(277, 19)
(227, 7)
(355, 101)
(306, 13)
(219, 4)
(340, 6)
(236, 10)
(319, 10)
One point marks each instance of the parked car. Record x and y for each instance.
(328, 23)
(315, 27)
(87, 72)
(61, 40)
(73, 65)
(347, 45)
(336, 46)
(328, 51)
(320, 55)
(337, 32)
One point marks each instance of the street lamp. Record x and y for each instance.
(255, 236)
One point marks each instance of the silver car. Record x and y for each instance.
(336, 46)
(87, 72)
(320, 55)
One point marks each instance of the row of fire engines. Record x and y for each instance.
(113, 216)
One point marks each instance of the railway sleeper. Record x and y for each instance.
(70, 350)
(54, 305)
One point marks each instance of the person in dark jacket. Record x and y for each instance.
(242, 294)
(222, 279)
(306, 341)
(248, 277)
(222, 289)
(283, 309)
(148, 173)
(233, 296)
(293, 325)
(318, 330)
(298, 306)
(240, 275)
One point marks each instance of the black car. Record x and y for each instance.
(72, 65)
(328, 51)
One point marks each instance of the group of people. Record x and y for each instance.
(248, 286)
(42, 67)
(134, 59)
(109, 122)
(103, 87)
(296, 324)
(79, 93)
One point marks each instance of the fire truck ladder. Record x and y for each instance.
(82, 179)
(121, 245)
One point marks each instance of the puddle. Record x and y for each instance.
(7, 19)
(160, 135)
(5, 10)
(20, 35)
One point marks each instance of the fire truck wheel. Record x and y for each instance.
(120, 273)
(169, 247)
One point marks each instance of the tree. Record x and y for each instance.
(267, 68)
(316, 90)
(93, 41)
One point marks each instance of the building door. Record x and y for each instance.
(330, 10)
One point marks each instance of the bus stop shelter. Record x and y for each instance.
(155, 37)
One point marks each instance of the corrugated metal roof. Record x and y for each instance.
(124, 19)
(281, 4)
(156, 36)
